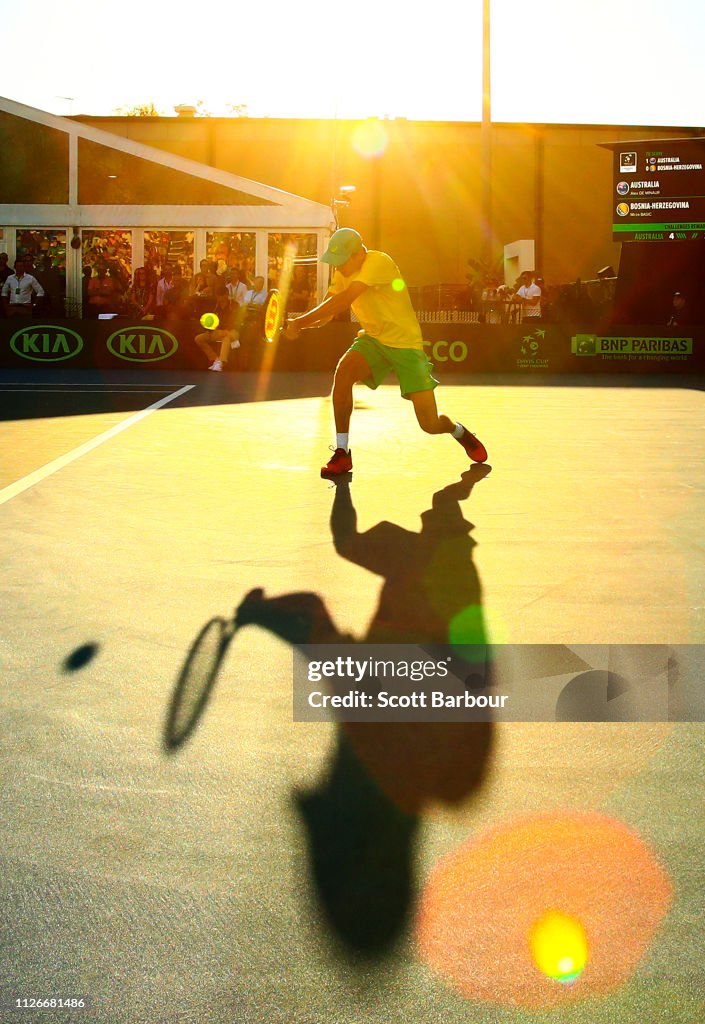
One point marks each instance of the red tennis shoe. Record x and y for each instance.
(473, 446)
(341, 462)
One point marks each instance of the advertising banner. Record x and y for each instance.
(523, 349)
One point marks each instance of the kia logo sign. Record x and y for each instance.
(142, 344)
(46, 343)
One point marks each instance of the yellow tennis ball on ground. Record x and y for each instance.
(559, 946)
(210, 321)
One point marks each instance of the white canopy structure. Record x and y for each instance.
(61, 176)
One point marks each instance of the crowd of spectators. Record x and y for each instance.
(530, 298)
(171, 292)
(165, 293)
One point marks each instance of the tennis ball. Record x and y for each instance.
(559, 946)
(210, 321)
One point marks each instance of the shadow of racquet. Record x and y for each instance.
(196, 681)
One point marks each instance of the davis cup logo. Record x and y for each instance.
(46, 343)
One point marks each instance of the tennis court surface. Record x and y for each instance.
(262, 870)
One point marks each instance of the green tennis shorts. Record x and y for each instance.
(412, 366)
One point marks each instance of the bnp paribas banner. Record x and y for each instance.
(632, 348)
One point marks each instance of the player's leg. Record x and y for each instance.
(429, 419)
(433, 422)
(353, 367)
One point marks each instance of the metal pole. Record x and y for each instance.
(486, 139)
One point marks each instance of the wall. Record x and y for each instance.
(420, 200)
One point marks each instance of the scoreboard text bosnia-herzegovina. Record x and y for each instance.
(658, 190)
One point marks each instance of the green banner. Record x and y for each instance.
(664, 348)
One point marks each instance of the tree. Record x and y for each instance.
(236, 109)
(138, 110)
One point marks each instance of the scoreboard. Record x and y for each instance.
(658, 190)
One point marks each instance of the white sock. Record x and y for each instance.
(341, 441)
(458, 432)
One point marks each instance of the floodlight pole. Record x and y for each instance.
(486, 139)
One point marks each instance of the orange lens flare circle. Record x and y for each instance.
(543, 911)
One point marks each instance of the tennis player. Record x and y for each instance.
(390, 340)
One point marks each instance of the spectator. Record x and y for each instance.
(164, 285)
(87, 274)
(18, 289)
(104, 293)
(4, 268)
(202, 296)
(680, 314)
(4, 274)
(176, 298)
(492, 305)
(139, 300)
(207, 268)
(301, 296)
(237, 288)
(253, 302)
(54, 287)
(528, 295)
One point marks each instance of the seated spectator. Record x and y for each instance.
(140, 298)
(237, 288)
(680, 314)
(254, 299)
(54, 285)
(176, 298)
(4, 274)
(300, 296)
(164, 285)
(202, 295)
(104, 293)
(207, 269)
(4, 268)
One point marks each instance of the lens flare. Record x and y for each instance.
(559, 946)
(398, 284)
(369, 139)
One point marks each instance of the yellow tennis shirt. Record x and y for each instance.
(384, 311)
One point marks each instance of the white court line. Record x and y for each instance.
(83, 384)
(85, 391)
(52, 467)
(46, 386)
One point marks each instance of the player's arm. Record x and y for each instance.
(326, 310)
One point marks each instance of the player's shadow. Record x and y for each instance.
(362, 819)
